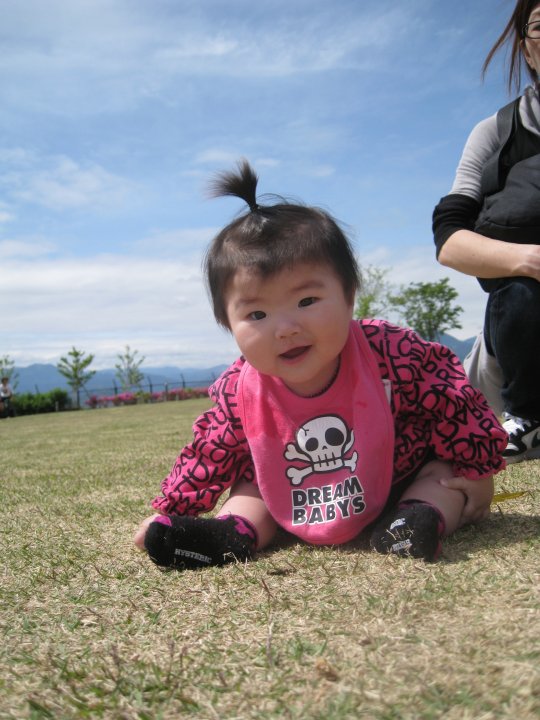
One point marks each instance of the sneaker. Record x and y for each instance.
(412, 530)
(523, 438)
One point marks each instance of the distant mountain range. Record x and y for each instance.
(42, 377)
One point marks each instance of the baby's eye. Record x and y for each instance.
(307, 301)
(257, 315)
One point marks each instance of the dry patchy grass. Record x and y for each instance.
(93, 630)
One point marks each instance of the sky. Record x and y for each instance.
(116, 114)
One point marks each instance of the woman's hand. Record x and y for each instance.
(530, 261)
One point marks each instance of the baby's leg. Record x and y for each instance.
(246, 502)
(427, 510)
(242, 526)
(426, 488)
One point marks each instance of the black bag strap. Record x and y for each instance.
(492, 177)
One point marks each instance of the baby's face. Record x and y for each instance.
(292, 325)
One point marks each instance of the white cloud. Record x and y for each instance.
(103, 303)
(17, 156)
(229, 158)
(322, 171)
(216, 156)
(157, 306)
(58, 183)
(177, 243)
(25, 249)
(85, 57)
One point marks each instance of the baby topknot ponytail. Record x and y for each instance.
(241, 183)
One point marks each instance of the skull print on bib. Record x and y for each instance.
(322, 443)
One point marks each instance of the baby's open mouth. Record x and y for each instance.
(295, 352)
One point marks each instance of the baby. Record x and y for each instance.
(325, 425)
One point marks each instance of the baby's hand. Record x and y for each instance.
(141, 532)
(478, 497)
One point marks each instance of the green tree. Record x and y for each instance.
(373, 298)
(7, 369)
(428, 308)
(74, 369)
(128, 369)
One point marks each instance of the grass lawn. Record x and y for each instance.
(92, 629)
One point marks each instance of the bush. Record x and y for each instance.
(33, 403)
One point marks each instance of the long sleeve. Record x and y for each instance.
(436, 410)
(481, 144)
(217, 456)
(459, 209)
(454, 212)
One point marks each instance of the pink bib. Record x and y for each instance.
(323, 464)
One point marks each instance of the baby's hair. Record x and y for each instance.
(272, 237)
(242, 184)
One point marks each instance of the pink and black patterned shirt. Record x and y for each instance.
(435, 412)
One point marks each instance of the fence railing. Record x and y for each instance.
(149, 386)
(181, 388)
(113, 395)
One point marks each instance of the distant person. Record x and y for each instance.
(324, 425)
(6, 395)
(489, 226)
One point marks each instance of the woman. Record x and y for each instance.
(489, 227)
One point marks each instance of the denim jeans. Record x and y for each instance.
(512, 335)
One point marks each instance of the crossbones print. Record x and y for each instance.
(322, 443)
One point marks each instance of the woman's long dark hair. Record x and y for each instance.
(513, 33)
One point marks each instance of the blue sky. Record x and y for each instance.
(116, 113)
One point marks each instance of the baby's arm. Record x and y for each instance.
(217, 457)
(434, 391)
